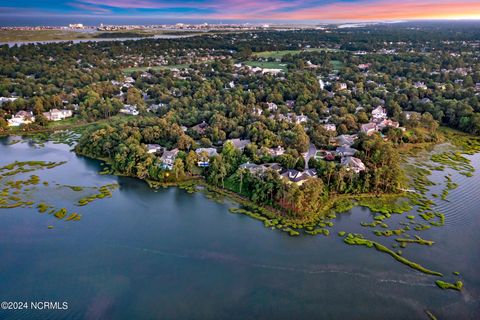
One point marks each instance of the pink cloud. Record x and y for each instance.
(296, 9)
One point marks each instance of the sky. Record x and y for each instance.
(260, 11)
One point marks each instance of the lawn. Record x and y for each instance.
(337, 65)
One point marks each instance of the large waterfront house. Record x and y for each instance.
(168, 158)
(21, 117)
(298, 177)
(57, 115)
(354, 164)
(204, 155)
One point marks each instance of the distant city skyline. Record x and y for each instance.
(196, 11)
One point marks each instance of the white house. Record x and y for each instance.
(129, 110)
(7, 99)
(379, 113)
(153, 148)
(330, 127)
(420, 85)
(57, 115)
(272, 106)
(21, 117)
(353, 163)
(275, 152)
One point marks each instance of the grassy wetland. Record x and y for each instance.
(21, 185)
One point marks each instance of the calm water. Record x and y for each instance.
(144, 254)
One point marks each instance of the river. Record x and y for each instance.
(168, 254)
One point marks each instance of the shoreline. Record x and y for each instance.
(388, 201)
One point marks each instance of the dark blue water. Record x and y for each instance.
(167, 254)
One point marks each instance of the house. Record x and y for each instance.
(129, 80)
(342, 86)
(425, 101)
(204, 155)
(346, 151)
(272, 166)
(275, 152)
(291, 103)
(369, 128)
(353, 164)
(57, 115)
(240, 143)
(257, 111)
(252, 167)
(21, 117)
(6, 99)
(292, 117)
(364, 66)
(155, 107)
(260, 168)
(330, 127)
(272, 71)
(359, 108)
(298, 177)
(387, 123)
(321, 84)
(477, 86)
(200, 128)
(411, 114)
(209, 152)
(153, 148)
(379, 113)
(420, 85)
(168, 159)
(272, 106)
(129, 110)
(345, 140)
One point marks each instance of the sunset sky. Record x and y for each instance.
(245, 10)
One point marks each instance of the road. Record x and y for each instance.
(310, 154)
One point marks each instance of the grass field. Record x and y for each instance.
(337, 65)
(281, 53)
(52, 35)
(41, 35)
